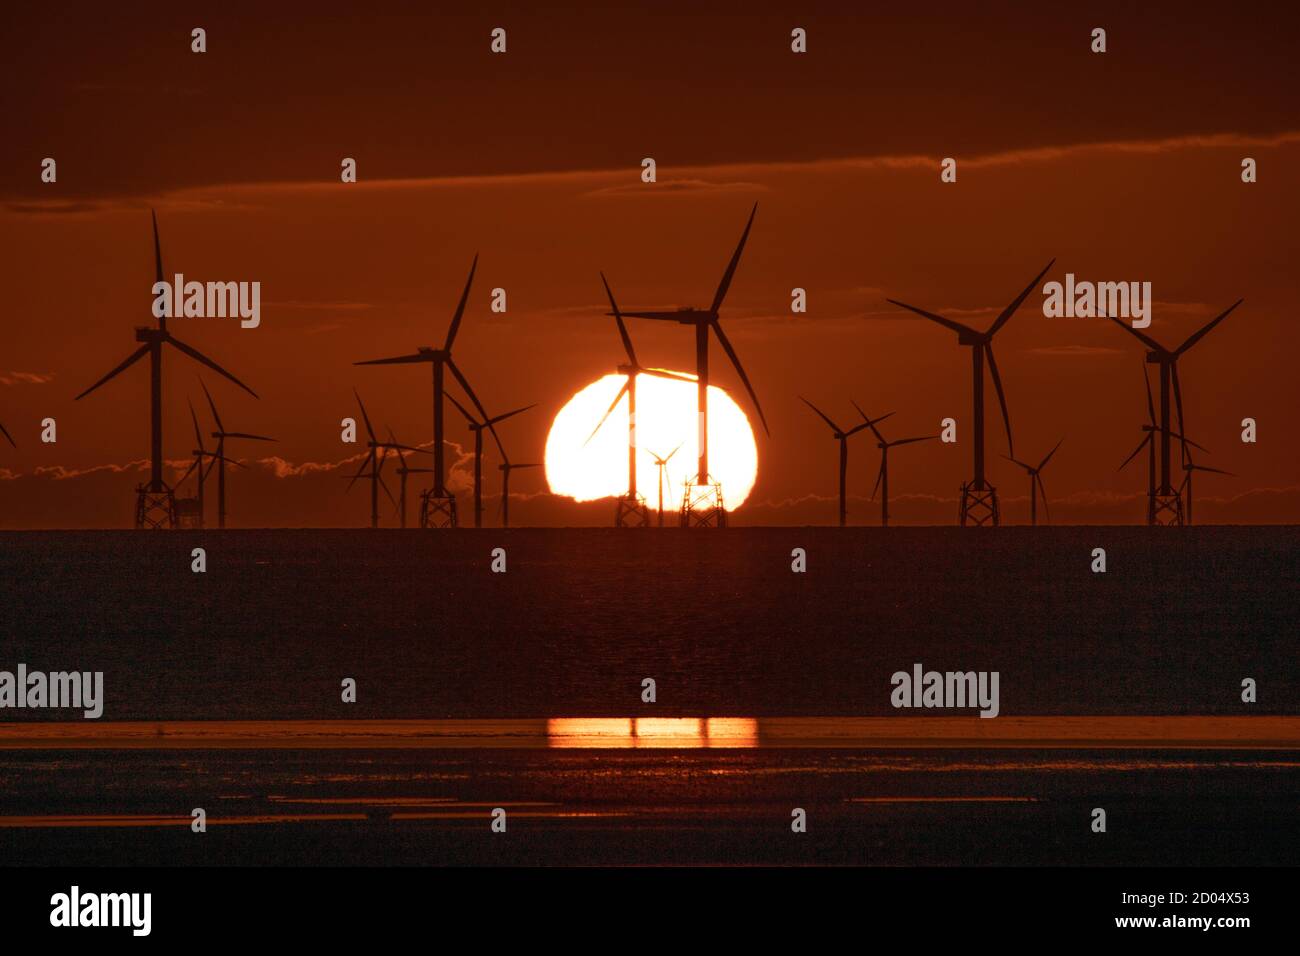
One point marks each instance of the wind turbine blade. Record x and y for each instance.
(213, 406)
(731, 266)
(531, 464)
(609, 411)
(134, 357)
(4, 431)
(1185, 440)
(248, 436)
(1044, 462)
(740, 369)
(879, 475)
(461, 408)
(657, 316)
(501, 418)
(662, 373)
(673, 452)
(908, 441)
(1142, 444)
(1002, 398)
(384, 485)
(835, 428)
(361, 472)
(873, 422)
(1151, 405)
(398, 360)
(212, 463)
(231, 461)
(947, 323)
(622, 329)
(1144, 339)
(364, 416)
(857, 428)
(1042, 490)
(1205, 330)
(198, 434)
(1017, 461)
(157, 261)
(188, 471)
(460, 308)
(1010, 310)
(200, 357)
(1217, 471)
(464, 383)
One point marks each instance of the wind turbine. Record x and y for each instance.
(439, 506)
(882, 476)
(1190, 467)
(4, 431)
(221, 435)
(661, 464)
(631, 511)
(1166, 502)
(979, 499)
(506, 468)
(477, 427)
(197, 465)
(372, 469)
(711, 510)
(402, 470)
(843, 436)
(1036, 483)
(155, 503)
(1148, 442)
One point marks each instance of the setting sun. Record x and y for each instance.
(666, 416)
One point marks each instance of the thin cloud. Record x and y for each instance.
(26, 378)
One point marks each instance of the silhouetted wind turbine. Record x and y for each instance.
(631, 509)
(221, 435)
(154, 339)
(441, 360)
(197, 465)
(506, 468)
(843, 436)
(703, 321)
(662, 463)
(402, 471)
(1148, 442)
(1190, 466)
(372, 469)
(1168, 361)
(882, 476)
(477, 427)
(1036, 484)
(979, 498)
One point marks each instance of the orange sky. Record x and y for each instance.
(1123, 166)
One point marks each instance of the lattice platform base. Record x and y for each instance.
(702, 506)
(154, 510)
(1166, 511)
(437, 512)
(979, 506)
(632, 512)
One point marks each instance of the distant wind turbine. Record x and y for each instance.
(220, 458)
(882, 476)
(477, 427)
(1036, 483)
(661, 464)
(843, 436)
